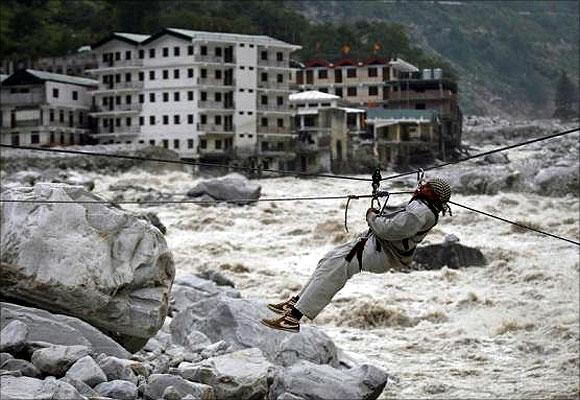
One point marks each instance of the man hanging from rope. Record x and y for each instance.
(389, 244)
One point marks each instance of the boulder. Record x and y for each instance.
(5, 357)
(237, 322)
(243, 374)
(235, 188)
(117, 389)
(158, 385)
(217, 277)
(88, 371)
(496, 158)
(26, 368)
(80, 386)
(558, 181)
(13, 337)
(92, 261)
(20, 388)
(56, 360)
(322, 382)
(190, 289)
(118, 369)
(59, 330)
(449, 253)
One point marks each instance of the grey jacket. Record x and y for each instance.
(399, 233)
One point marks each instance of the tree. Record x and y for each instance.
(566, 100)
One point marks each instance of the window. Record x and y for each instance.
(165, 119)
(190, 95)
(176, 51)
(51, 115)
(165, 74)
(176, 96)
(218, 51)
(166, 143)
(190, 50)
(128, 121)
(128, 55)
(141, 98)
(264, 55)
(251, 46)
(203, 119)
(165, 97)
(280, 122)
(420, 106)
(151, 97)
(175, 74)
(151, 53)
(117, 121)
(176, 120)
(75, 95)
(322, 74)
(105, 101)
(372, 72)
(323, 89)
(61, 116)
(203, 50)
(34, 138)
(105, 58)
(190, 119)
(141, 76)
(279, 56)
(190, 143)
(351, 91)
(151, 75)
(128, 99)
(338, 91)
(128, 77)
(351, 73)
(176, 142)
(118, 100)
(203, 73)
(280, 78)
(373, 91)
(152, 142)
(264, 100)
(141, 121)
(242, 45)
(55, 93)
(217, 96)
(217, 119)
(141, 54)
(264, 76)
(203, 143)
(218, 144)
(152, 120)
(117, 55)
(117, 78)
(218, 74)
(264, 122)
(280, 100)
(166, 52)
(190, 72)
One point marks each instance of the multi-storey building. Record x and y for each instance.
(209, 96)
(325, 128)
(45, 109)
(356, 81)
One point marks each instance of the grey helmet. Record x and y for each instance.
(441, 188)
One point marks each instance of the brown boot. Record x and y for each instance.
(284, 307)
(285, 323)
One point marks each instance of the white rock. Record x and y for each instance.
(13, 337)
(118, 389)
(88, 371)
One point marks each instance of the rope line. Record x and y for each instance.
(485, 153)
(181, 162)
(239, 201)
(515, 223)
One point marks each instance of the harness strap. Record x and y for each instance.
(357, 250)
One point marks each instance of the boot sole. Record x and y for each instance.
(280, 328)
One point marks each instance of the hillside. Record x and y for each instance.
(508, 55)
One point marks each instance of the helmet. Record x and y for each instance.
(441, 188)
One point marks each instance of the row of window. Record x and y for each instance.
(351, 91)
(372, 72)
(165, 51)
(217, 97)
(56, 94)
(116, 78)
(217, 120)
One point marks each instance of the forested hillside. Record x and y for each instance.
(507, 56)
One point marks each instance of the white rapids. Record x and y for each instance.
(508, 330)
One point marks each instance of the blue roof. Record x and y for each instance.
(381, 113)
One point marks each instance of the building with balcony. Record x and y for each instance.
(405, 137)
(325, 128)
(45, 109)
(208, 96)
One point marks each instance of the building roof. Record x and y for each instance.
(31, 76)
(403, 65)
(313, 95)
(131, 38)
(262, 40)
(403, 115)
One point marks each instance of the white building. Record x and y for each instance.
(45, 109)
(325, 128)
(208, 96)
